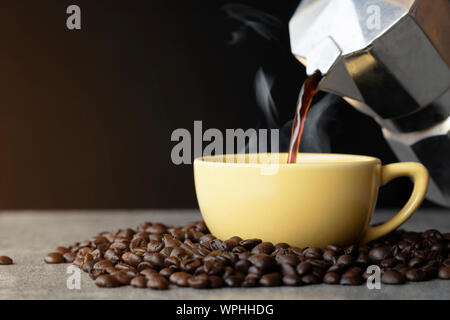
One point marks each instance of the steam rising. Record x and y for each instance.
(249, 18)
(263, 87)
(315, 138)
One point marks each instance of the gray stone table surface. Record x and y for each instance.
(26, 236)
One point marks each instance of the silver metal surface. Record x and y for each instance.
(390, 60)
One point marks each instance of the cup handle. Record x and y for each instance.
(419, 174)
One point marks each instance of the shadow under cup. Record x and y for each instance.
(322, 199)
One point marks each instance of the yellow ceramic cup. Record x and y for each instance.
(322, 199)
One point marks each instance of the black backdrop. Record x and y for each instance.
(86, 116)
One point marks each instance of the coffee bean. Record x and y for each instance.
(363, 259)
(215, 281)
(62, 250)
(345, 260)
(416, 262)
(287, 269)
(242, 266)
(444, 273)
(415, 275)
(214, 267)
(102, 265)
(147, 272)
(156, 259)
(180, 278)
(157, 281)
(335, 249)
(69, 256)
(199, 282)
(313, 253)
(139, 282)
(123, 277)
(131, 258)
(190, 265)
(291, 280)
(392, 277)
(107, 281)
(351, 279)
(233, 281)
(336, 268)
(263, 261)
(331, 278)
(264, 247)
(270, 280)
(249, 244)
(303, 268)
(388, 263)
(379, 254)
(329, 256)
(54, 257)
(251, 280)
(287, 259)
(168, 271)
(5, 260)
(310, 279)
(351, 250)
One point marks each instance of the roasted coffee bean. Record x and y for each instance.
(416, 262)
(148, 272)
(351, 279)
(392, 276)
(255, 270)
(318, 272)
(156, 259)
(113, 255)
(180, 278)
(249, 244)
(415, 275)
(287, 269)
(345, 260)
(190, 265)
(106, 281)
(291, 280)
(239, 249)
(303, 268)
(215, 281)
(263, 247)
(291, 259)
(69, 256)
(313, 253)
(172, 261)
(155, 246)
(54, 257)
(123, 277)
(444, 273)
(131, 258)
(214, 267)
(251, 280)
(351, 250)
(335, 249)
(124, 266)
(363, 259)
(379, 254)
(263, 262)
(319, 263)
(242, 266)
(157, 281)
(156, 228)
(102, 265)
(62, 250)
(199, 282)
(331, 278)
(244, 255)
(5, 260)
(139, 282)
(329, 256)
(271, 280)
(310, 279)
(88, 265)
(168, 271)
(388, 263)
(233, 281)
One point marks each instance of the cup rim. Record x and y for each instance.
(304, 160)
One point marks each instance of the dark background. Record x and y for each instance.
(86, 116)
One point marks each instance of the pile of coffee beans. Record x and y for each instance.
(155, 256)
(5, 260)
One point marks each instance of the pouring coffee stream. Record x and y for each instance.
(307, 93)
